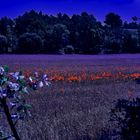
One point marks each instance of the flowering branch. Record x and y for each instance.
(11, 86)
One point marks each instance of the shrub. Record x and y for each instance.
(126, 115)
(12, 87)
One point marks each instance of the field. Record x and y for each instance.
(77, 104)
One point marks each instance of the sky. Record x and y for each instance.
(99, 8)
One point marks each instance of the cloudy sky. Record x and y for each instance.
(99, 8)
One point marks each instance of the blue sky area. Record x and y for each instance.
(99, 8)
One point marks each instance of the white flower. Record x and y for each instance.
(15, 75)
(14, 116)
(2, 93)
(47, 83)
(30, 78)
(1, 70)
(12, 104)
(41, 84)
(36, 74)
(14, 86)
(45, 77)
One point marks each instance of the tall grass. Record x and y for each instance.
(74, 110)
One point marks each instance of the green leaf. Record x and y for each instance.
(27, 106)
(2, 136)
(5, 79)
(24, 90)
(6, 68)
(22, 82)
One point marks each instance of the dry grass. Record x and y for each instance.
(76, 110)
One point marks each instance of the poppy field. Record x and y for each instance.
(77, 103)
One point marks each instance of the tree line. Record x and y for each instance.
(39, 33)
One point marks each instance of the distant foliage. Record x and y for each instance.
(29, 43)
(3, 44)
(36, 32)
(130, 44)
(113, 20)
(126, 114)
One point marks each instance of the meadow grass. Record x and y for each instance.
(74, 110)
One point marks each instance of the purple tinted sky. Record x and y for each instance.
(125, 8)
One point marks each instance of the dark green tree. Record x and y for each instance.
(6, 26)
(84, 33)
(29, 43)
(31, 22)
(113, 33)
(56, 38)
(113, 20)
(3, 44)
(130, 44)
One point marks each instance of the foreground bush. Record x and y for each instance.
(126, 115)
(12, 87)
